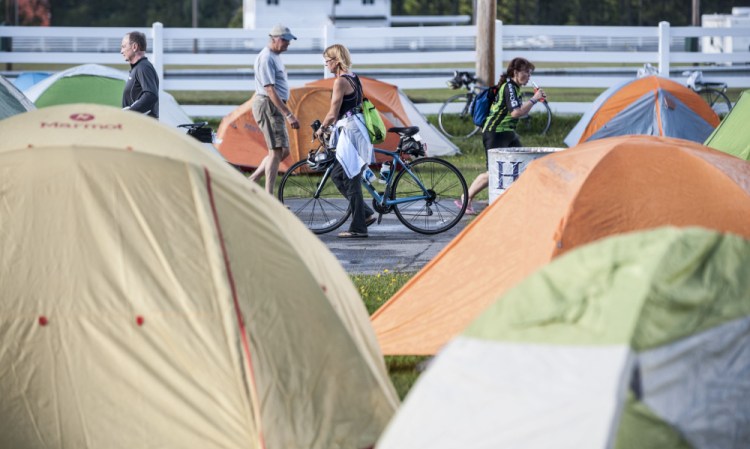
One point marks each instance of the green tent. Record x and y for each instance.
(98, 84)
(733, 134)
(638, 341)
(12, 101)
(83, 89)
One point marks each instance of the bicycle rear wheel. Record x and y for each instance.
(444, 184)
(718, 101)
(538, 120)
(454, 117)
(321, 213)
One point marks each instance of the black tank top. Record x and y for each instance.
(353, 99)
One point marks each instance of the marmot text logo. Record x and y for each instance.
(82, 117)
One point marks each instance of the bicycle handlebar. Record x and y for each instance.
(461, 79)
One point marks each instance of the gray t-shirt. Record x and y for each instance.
(270, 70)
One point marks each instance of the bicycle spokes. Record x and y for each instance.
(313, 198)
(425, 193)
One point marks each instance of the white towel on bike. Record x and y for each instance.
(353, 147)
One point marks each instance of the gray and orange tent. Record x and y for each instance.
(651, 105)
(562, 201)
(242, 143)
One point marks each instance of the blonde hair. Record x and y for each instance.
(340, 54)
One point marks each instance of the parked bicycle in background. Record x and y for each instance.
(420, 190)
(455, 117)
(713, 92)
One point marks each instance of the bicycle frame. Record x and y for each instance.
(383, 199)
(396, 162)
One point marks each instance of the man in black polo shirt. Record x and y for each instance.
(141, 92)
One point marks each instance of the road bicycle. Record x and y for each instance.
(420, 190)
(455, 119)
(713, 92)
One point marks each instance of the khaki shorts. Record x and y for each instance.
(271, 122)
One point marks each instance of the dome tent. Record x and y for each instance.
(146, 299)
(732, 136)
(97, 84)
(398, 109)
(24, 80)
(242, 142)
(563, 200)
(638, 341)
(12, 100)
(650, 105)
(243, 145)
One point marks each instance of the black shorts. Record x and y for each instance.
(505, 139)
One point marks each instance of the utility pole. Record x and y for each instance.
(195, 24)
(696, 13)
(11, 12)
(486, 14)
(692, 42)
(11, 18)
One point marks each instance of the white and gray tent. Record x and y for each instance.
(12, 100)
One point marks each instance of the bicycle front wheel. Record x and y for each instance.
(320, 209)
(718, 101)
(538, 120)
(454, 117)
(444, 186)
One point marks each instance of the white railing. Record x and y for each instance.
(222, 58)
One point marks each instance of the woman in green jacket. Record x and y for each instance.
(499, 130)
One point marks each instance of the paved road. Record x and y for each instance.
(391, 246)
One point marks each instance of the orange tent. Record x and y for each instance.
(384, 96)
(242, 142)
(394, 105)
(562, 201)
(651, 105)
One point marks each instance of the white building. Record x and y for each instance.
(261, 14)
(740, 18)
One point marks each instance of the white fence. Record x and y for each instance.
(221, 59)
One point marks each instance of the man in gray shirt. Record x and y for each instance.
(141, 93)
(269, 104)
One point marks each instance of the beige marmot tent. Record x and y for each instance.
(152, 297)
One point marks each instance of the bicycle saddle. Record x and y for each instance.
(407, 131)
(192, 125)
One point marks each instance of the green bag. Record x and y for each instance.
(373, 122)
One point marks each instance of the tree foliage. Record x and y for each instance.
(139, 13)
(572, 12)
(226, 13)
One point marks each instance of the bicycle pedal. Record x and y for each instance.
(380, 218)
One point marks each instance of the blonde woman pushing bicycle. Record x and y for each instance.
(354, 152)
